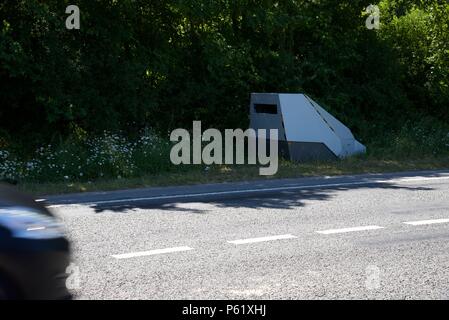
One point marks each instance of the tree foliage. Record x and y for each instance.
(137, 63)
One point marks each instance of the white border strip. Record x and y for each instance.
(194, 195)
(243, 191)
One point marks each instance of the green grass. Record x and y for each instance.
(113, 161)
(215, 174)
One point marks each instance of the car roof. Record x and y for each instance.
(10, 196)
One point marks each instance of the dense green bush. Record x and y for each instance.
(424, 137)
(161, 64)
(86, 158)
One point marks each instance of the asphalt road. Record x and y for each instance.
(358, 237)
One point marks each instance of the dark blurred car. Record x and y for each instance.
(34, 253)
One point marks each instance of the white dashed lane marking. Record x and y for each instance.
(150, 253)
(353, 229)
(263, 239)
(423, 222)
(273, 238)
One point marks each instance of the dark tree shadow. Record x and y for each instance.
(287, 199)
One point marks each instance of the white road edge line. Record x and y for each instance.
(423, 222)
(150, 253)
(353, 229)
(194, 195)
(263, 239)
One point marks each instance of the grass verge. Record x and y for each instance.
(225, 173)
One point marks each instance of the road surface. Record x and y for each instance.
(356, 237)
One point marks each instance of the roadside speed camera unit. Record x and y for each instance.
(306, 130)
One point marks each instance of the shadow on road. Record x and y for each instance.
(287, 199)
